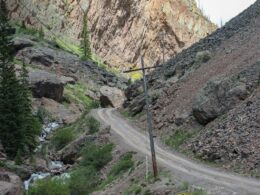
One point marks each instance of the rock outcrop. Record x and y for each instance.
(233, 139)
(121, 30)
(10, 184)
(111, 96)
(221, 95)
(44, 84)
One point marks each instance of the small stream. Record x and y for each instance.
(53, 165)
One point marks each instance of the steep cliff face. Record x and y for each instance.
(121, 30)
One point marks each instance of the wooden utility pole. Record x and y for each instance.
(148, 114)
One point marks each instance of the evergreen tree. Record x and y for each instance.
(30, 126)
(18, 128)
(85, 42)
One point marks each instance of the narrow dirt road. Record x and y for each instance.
(187, 170)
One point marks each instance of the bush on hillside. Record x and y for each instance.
(49, 187)
(62, 137)
(83, 181)
(93, 125)
(96, 156)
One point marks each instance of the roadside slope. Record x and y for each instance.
(210, 178)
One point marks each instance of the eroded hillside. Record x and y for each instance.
(202, 84)
(120, 30)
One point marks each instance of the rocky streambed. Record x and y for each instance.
(54, 167)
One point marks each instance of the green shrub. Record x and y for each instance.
(2, 164)
(178, 138)
(199, 192)
(76, 93)
(96, 156)
(18, 159)
(147, 192)
(43, 115)
(202, 57)
(49, 187)
(184, 186)
(124, 164)
(83, 181)
(134, 189)
(62, 137)
(93, 125)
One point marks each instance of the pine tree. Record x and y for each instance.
(31, 125)
(9, 85)
(85, 42)
(18, 128)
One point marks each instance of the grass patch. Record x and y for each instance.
(83, 181)
(49, 187)
(71, 48)
(178, 138)
(184, 186)
(133, 189)
(125, 163)
(76, 93)
(93, 124)
(96, 156)
(62, 137)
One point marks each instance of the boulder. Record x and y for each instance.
(22, 42)
(111, 96)
(70, 153)
(44, 84)
(223, 94)
(67, 80)
(10, 184)
(217, 97)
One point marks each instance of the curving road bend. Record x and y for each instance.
(183, 168)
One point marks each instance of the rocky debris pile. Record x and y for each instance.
(233, 139)
(44, 84)
(223, 94)
(10, 184)
(111, 96)
(68, 67)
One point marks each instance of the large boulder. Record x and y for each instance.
(44, 84)
(111, 96)
(10, 184)
(222, 94)
(23, 42)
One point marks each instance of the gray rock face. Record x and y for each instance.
(221, 95)
(23, 42)
(44, 84)
(111, 96)
(10, 184)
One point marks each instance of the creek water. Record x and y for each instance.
(53, 165)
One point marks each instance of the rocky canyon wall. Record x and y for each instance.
(121, 30)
